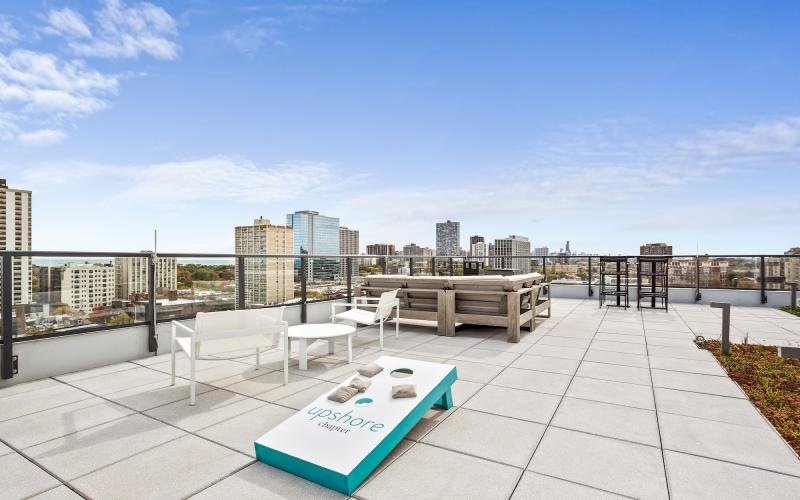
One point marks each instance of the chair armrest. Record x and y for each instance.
(351, 304)
(184, 327)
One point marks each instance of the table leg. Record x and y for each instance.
(303, 352)
(330, 346)
(349, 348)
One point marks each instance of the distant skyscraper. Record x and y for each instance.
(381, 249)
(566, 249)
(15, 234)
(318, 235)
(541, 251)
(131, 275)
(655, 249)
(475, 239)
(512, 246)
(348, 245)
(268, 280)
(448, 238)
(414, 250)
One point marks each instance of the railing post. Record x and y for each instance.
(240, 302)
(433, 266)
(591, 291)
(763, 281)
(726, 325)
(697, 295)
(792, 295)
(349, 270)
(152, 340)
(384, 264)
(411, 266)
(450, 266)
(7, 356)
(544, 268)
(303, 287)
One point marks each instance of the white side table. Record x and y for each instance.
(307, 334)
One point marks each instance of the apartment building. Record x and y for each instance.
(15, 234)
(414, 250)
(381, 249)
(87, 286)
(448, 238)
(655, 249)
(268, 280)
(348, 245)
(132, 275)
(514, 245)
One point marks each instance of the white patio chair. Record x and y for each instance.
(383, 306)
(265, 326)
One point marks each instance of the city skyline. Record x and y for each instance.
(154, 115)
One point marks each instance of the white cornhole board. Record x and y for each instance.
(338, 444)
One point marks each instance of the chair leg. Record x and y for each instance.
(192, 384)
(287, 343)
(397, 323)
(381, 334)
(172, 356)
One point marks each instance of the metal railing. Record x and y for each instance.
(760, 272)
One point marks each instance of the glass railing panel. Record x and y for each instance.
(201, 285)
(58, 295)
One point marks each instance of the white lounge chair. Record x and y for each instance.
(265, 326)
(383, 306)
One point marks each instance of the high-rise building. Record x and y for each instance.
(348, 245)
(381, 249)
(655, 249)
(475, 239)
(317, 235)
(448, 238)
(15, 234)
(269, 280)
(85, 287)
(792, 265)
(566, 249)
(479, 249)
(414, 250)
(541, 251)
(131, 276)
(514, 245)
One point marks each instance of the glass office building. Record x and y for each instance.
(317, 235)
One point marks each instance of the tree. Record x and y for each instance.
(122, 318)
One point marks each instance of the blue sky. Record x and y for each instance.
(606, 123)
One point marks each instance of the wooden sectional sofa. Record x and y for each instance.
(509, 301)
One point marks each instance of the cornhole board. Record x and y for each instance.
(338, 444)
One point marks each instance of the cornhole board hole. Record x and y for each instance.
(338, 444)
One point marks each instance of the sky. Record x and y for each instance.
(608, 124)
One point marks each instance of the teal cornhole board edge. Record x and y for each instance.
(441, 395)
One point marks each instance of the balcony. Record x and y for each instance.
(595, 402)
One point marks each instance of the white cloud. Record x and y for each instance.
(763, 139)
(67, 22)
(42, 137)
(119, 31)
(41, 83)
(251, 35)
(228, 179)
(8, 34)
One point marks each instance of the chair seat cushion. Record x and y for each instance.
(358, 315)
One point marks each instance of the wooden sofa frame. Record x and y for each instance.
(485, 300)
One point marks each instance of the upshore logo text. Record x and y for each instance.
(346, 421)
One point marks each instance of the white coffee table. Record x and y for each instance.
(307, 334)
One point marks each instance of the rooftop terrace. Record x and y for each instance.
(594, 403)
